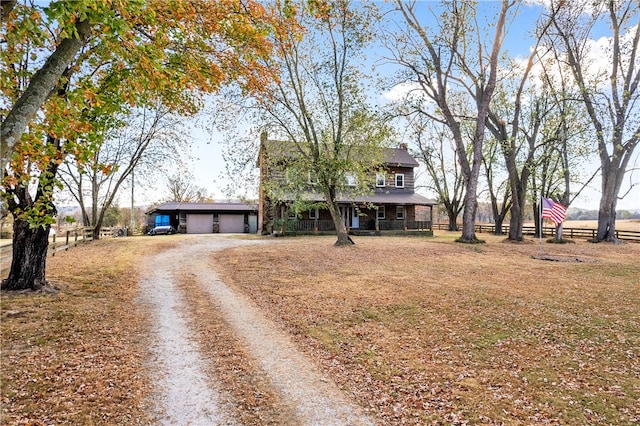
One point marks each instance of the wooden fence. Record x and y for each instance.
(67, 239)
(550, 231)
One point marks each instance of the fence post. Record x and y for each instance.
(66, 242)
(52, 246)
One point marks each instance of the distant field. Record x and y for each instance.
(621, 225)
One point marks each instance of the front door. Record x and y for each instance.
(355, 219)
(350, 217)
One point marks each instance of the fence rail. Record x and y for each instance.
(585, 233)
(57, 243)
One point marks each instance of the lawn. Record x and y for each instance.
(417, 330)
(427, 330)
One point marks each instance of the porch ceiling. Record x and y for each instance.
(378, 199)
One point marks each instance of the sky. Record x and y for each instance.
(208, 166)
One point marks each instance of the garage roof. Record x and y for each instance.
(204, 207)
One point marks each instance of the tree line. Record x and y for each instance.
(94, 91)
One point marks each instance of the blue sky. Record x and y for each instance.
(209, 168)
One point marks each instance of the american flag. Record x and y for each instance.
(555, 212)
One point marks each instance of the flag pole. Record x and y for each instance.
(540, 222)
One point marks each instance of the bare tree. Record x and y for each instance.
(450, 56)
(437, 152)
(612, 108)
(144, 140)
(181, 188)
(495, 185)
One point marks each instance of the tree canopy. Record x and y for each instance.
(69, 67)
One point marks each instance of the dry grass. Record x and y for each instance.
(418, 330)
(621, 225)
(425, 330)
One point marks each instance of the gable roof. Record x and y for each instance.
(400, 157)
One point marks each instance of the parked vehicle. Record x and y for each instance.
(162, 230)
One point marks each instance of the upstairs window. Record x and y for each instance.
(351, 179)
(380, 180)
(399, 180)
(313, 178)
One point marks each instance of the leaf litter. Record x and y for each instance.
(416, 331)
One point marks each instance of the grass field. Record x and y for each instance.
(427, 330)
(418, 330)
(621, 225)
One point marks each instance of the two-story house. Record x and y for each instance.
(391, 205)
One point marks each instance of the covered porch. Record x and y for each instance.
(368, 215)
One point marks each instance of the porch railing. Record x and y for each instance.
(396, 224)
(383, 225)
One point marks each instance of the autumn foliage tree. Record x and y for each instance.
(69, 66)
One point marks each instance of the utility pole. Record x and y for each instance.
(132, 225)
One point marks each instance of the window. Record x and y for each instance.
(381, 212)
(313, 178)
(351, 179)
(399, 180)
(400, 212)
(313, 214)
(380, 179)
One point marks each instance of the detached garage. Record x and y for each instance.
(208, 218)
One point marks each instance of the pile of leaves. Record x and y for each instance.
(426, 331)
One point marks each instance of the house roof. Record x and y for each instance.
(204, 207)
(400, 157)
(393, 156)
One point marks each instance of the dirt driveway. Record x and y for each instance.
(187, 389)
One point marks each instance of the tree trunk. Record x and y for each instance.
(468, 218)
(97, 226)
(498, 224)
(536, 220)
(471, 201)
(39, 89)
(607, 219)
(517, 218)
(558, 237)
(341, 230)
(29, 257)
(452, 213)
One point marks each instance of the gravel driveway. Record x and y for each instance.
(184, 394)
